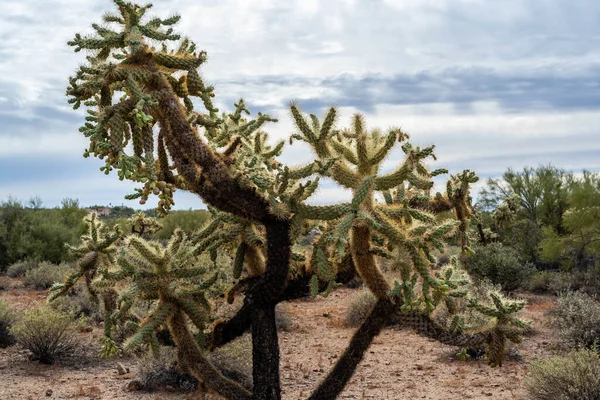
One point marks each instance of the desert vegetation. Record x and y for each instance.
(208, 301)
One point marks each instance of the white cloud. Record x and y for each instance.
(259, 50)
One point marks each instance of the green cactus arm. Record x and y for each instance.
(362, 193)
(60, 289)
(324, 213)
(238, 262)
(344, 151)
(380, 154)
(390, 230)
(393, 179)
(345, 176)
(211, 227)
(150, 324)
(328, 124)
(187, 273)
(146, 251)
(302, 172)
(196, 313)
(302, 124)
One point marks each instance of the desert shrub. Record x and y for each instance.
(588, 280)
(4, 283)
(7, 319)
(575, 376)
(79, 303)
(45, 275)
(48, 334)
(19, 268)
(539, 282)
(234, 360)
(155, 373)
(500, 264)
(549, 282)
(525, 237)
(577, 318)
(359, 307)
(283, 319)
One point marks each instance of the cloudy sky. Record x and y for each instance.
(493, 84)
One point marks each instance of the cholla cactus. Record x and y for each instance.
(170, 277)
(259, 206)
(506, 212)
(97, 250)
(142, 225)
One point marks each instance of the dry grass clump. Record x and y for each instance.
(577, 319)
(45, 275)
(48, 334)
(575, 376)
(283, 319)
(4, 283)
(7, 319)
(156, 373)
(234, 360)
(19, 268)
(80, 303)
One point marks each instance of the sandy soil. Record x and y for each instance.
(398, 365)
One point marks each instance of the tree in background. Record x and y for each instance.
(38, 233)
(579, 246)
(548, 215)
(142, 96)
(542, 193)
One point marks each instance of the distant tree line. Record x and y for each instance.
(30, 231)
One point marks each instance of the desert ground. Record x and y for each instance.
(398, 365)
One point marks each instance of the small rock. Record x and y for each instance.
(122, 370)
(49, 392)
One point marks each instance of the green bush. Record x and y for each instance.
(574, 377)
(7, 319)
(577, 318)
(500, 265)
(19, 268)
(525, 237)
(588, 280)
(46, 333)
(187, 220)
(359, 308)
(549, 282)
(38, 233)
(45, 275)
